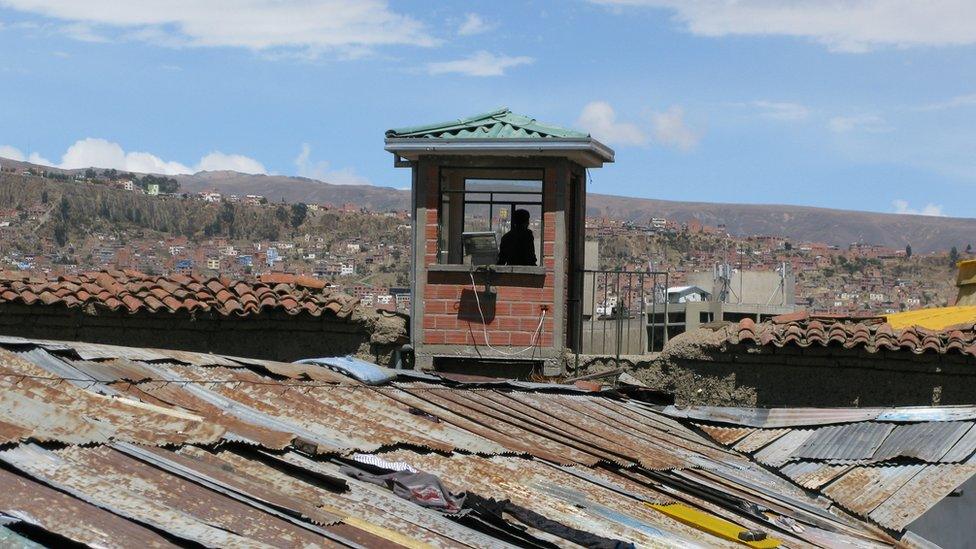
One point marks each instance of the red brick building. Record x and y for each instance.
(470, 176)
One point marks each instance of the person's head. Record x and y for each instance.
(520, 218)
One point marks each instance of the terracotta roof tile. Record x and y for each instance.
(869, 333)
(134, 291)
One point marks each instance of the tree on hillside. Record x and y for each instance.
(953, 255)
(61, 234)
(298, 214)
(908, 250)
(969, 248)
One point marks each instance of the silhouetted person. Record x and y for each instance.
(518, 245)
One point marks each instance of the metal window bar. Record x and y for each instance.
(623, 287)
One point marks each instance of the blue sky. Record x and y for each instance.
(861, 104)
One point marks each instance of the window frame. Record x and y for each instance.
(452, 182)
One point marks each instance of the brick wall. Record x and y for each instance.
(520, 298)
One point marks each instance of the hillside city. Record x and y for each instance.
(37, 234)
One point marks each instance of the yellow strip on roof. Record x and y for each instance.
(711, 524)
(936, 318)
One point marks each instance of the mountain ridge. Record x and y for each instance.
(802, 223)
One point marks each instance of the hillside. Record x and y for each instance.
(837, 227)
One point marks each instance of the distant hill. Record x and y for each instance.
(296, 189)
(838, 227)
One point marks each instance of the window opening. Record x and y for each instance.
(485, 201)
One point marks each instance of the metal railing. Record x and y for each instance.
(619, 312)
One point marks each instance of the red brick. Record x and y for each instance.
(508, 323)
(523, 309)
(434, 337)
(428, 322)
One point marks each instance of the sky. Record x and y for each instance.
(853, 104)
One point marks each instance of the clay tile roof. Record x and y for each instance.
(134, 291)
(869, 333)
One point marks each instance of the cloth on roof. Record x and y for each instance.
(133, 291)
(498, 508)
(421, 488)
(376, 461)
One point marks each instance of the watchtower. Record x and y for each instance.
(472, 312)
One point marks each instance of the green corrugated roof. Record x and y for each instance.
(498, 124)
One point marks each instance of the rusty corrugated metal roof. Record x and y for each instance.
(225, 451)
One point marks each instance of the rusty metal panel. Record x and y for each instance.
(725, 435)
(527, 435)
(863, 488)
(559, 496)
(378, 505)
(779, 451)
(112, 370)
(772, 418)
(813, 474)
(507, 436)
(758, 439)
(50, 410)
(98, 351)
(920, 493)
(925, 441)
(963, 449)
(856, 441)
(143, 493)
(72, 518)
(647, 428)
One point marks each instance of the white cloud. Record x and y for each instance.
(217, 161)
(311, 25)
(323, 171)
(474, 24)
(902, 207)
(13, 153)
(600, 120)
(670, 129)
(845, 26)
(870, 123)
(778, 110)
(958, 101)
(482, 63)
(93, 152)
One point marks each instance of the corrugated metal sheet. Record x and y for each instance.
(771, 418)
(244, 494)
(62, 412)
(963, 449)
(568, 499)
(725, 435)
(779, 451)
(856, 441)
(812, 474)
(137, 491)
(925, 441)
(758, 439)
(920, 493)
(72, 518)
(379, 506)
(862, 489)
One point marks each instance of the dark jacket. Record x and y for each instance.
(517, 247)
